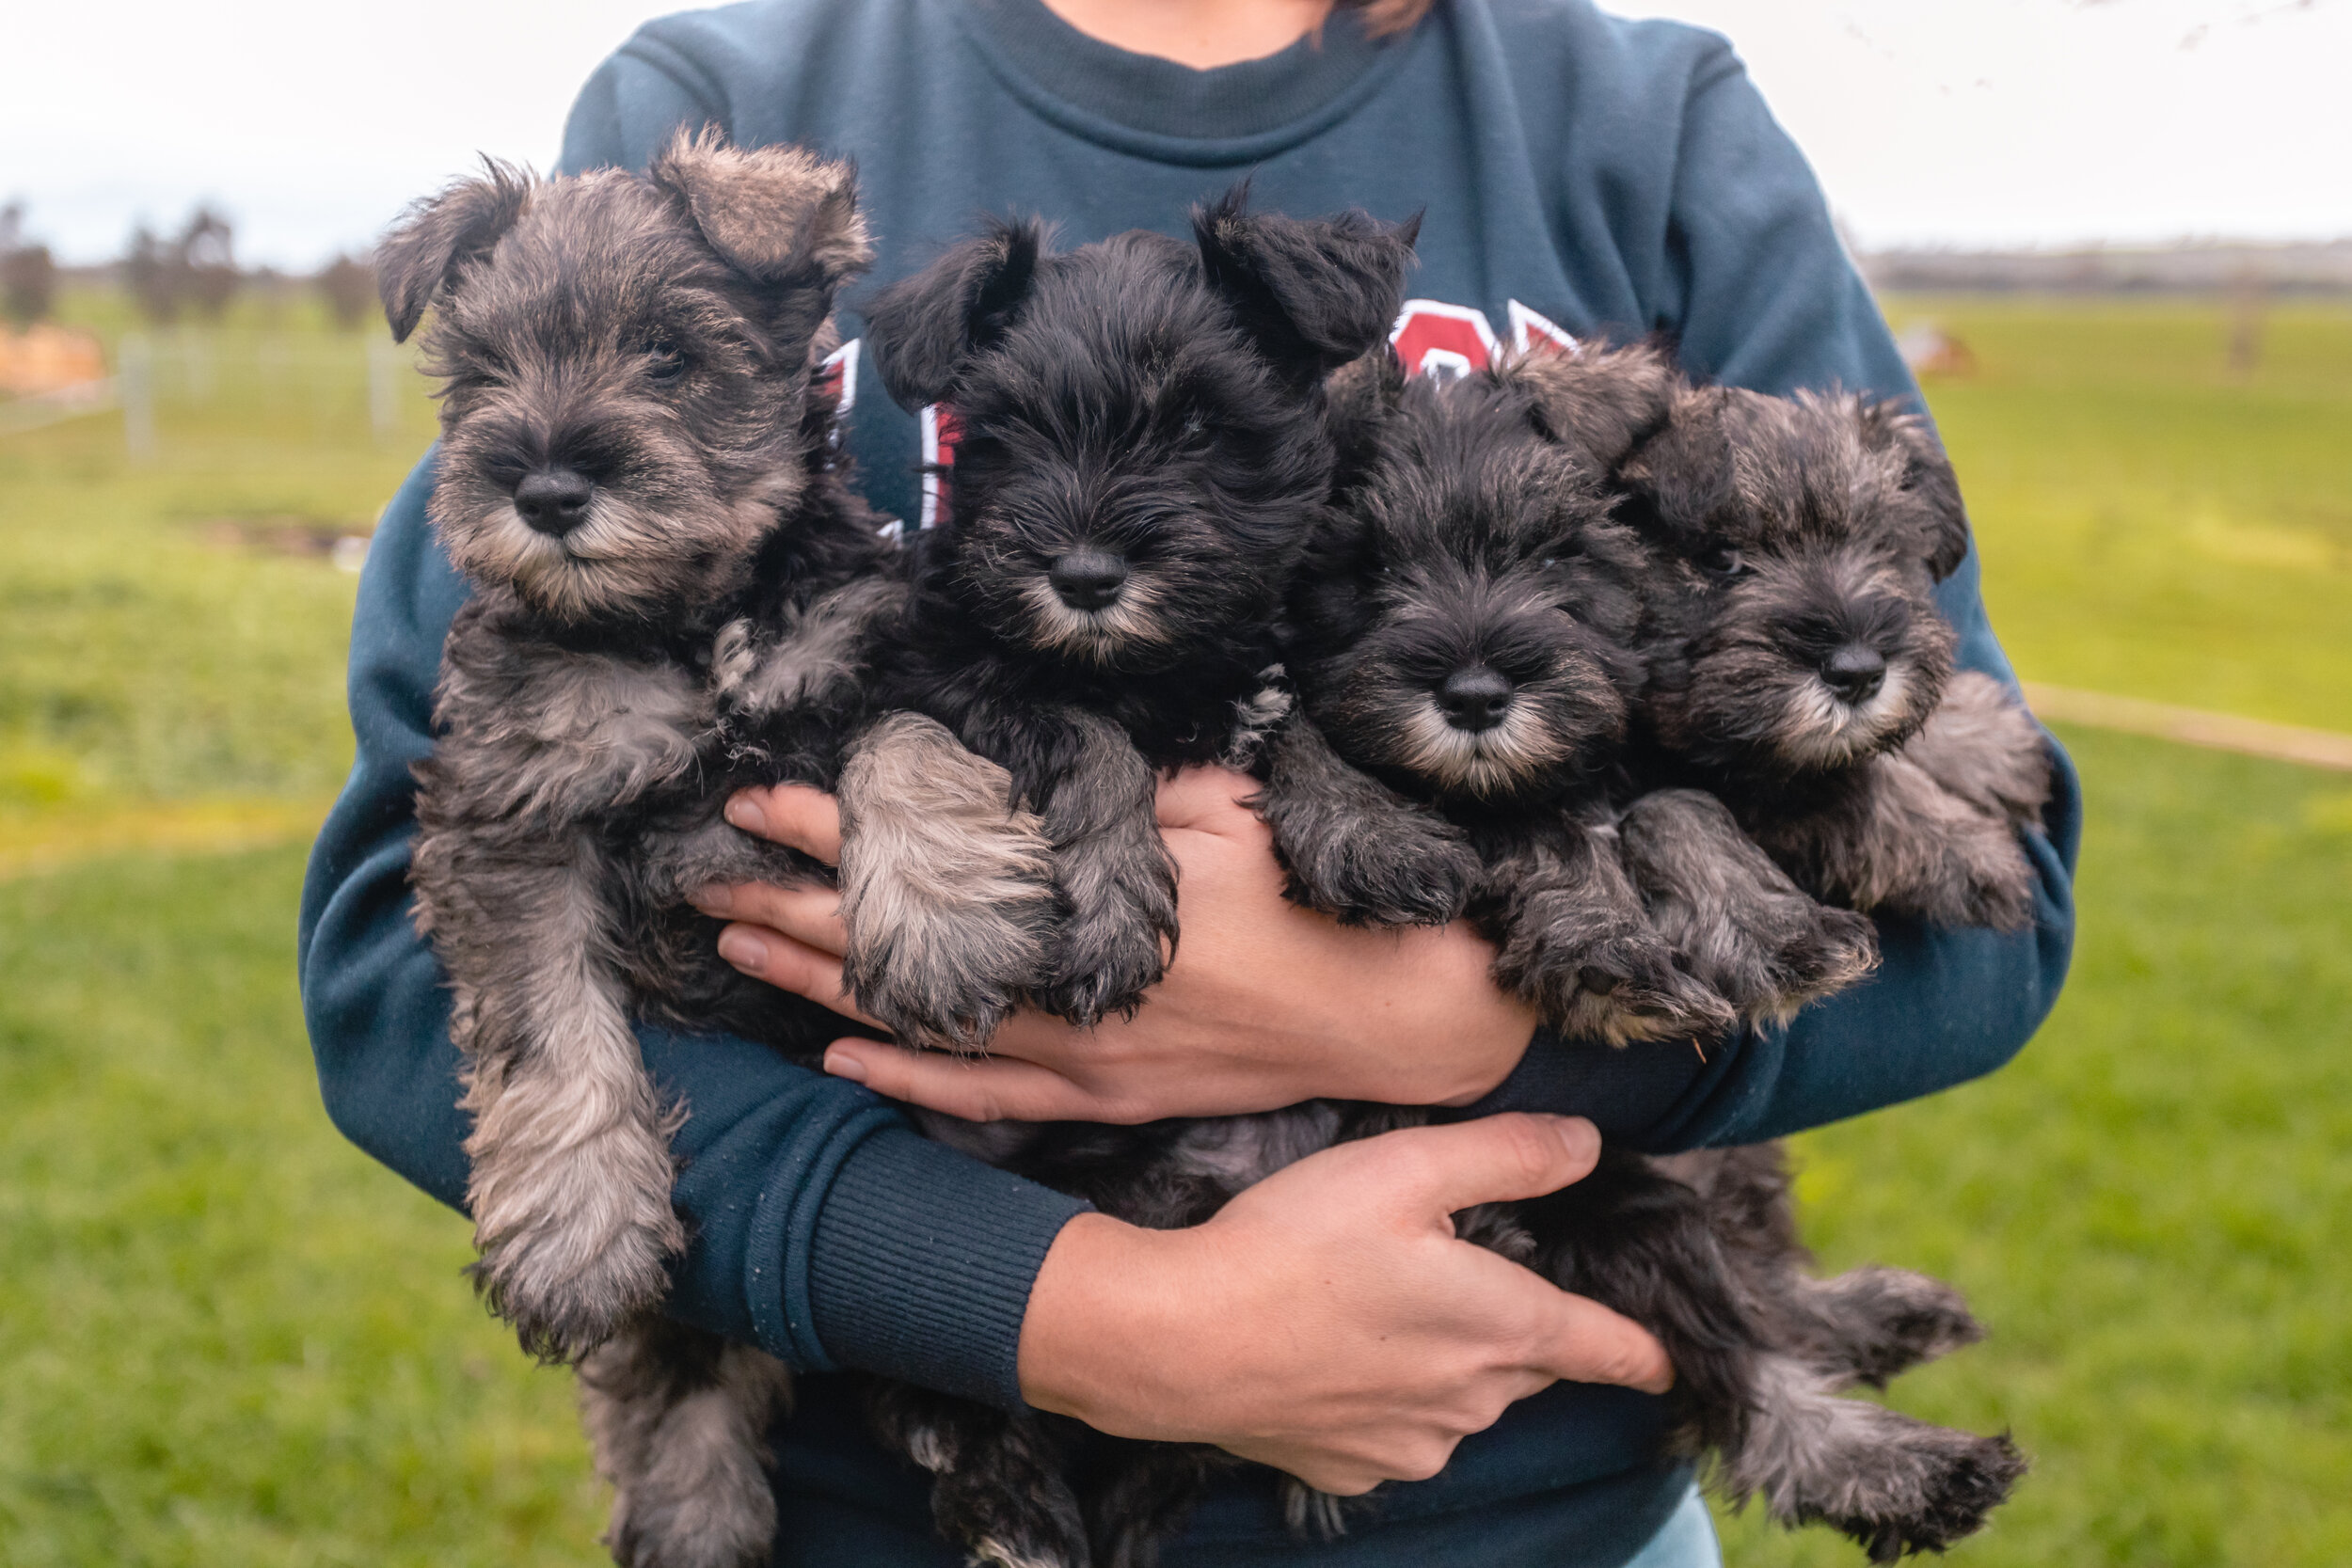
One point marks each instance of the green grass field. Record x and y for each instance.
(226, 1338)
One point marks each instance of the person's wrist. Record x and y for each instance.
(1100, 1324)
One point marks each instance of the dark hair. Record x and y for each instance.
(1386, 18)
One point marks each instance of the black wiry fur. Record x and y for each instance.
(698, 623)
(1154, 406)
(1472, 544)
(1792, 532)
(1159, 403)
(1477, 534)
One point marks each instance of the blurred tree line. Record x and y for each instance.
(191, 271)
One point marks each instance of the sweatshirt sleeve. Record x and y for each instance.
(823, 1227)
(1758, 291)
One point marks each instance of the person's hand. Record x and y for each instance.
(1327, 1321)
(1265, 1004)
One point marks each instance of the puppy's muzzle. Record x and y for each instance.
(1088, 579)
(1475, 698)
(555, 500)
(1854, 673)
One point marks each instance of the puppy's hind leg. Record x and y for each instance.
(1354, 848)
(1740, 925)
(679, 1420)
(1895, 1484)
(947, 886)
(997, 1489)
(1871, 1325)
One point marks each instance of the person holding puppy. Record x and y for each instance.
(1581, 177)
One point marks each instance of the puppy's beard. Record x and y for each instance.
(623, 557)
(1497, 761)
(1101, 636)
(1822, 730)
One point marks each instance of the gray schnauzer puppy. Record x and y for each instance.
(1800, 671)
(673, 586)
(1465, 642)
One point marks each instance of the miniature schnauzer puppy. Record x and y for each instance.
(671, 588)
(1800, 671)
(1143, 448)
(1481, 580)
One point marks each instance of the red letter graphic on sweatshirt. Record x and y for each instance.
(940, 434)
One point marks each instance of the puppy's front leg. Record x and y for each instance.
(1575, 941)
(1117, 880)
(1740, 925)
(999, 1487)
(570, 1147)
(947, 886)
(1354, 848)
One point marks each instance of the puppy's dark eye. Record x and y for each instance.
(1724, 562)
(664, 361)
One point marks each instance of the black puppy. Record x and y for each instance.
(1143, 451)
(1466, 643)
(1800, 671)
(672, 589)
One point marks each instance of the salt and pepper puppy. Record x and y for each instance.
(1142, 451)
(1479, 538)
(1465, 664)
(670, 583)
(1800, 671)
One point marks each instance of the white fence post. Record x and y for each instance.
(136, 383)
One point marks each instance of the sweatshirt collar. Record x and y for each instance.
(1159, 109)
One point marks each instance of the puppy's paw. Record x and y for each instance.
(1105, 963)
(1420, 871)
(1620, 989)
(569, 1284)
(1953, 1481)
(1735, 918)
(1871, 1325)
(573, 1221)
(947, 886)
(1984, 880)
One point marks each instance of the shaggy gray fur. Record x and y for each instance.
(671, 585)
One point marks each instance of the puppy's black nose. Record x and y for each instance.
(1854, 673)
(1088, 579)
(1475, 698)
(553, 501)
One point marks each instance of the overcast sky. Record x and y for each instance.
(1956, 121)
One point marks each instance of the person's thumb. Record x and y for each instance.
(1583, 1341)
(1492, 1159)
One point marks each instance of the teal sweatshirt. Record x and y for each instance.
(1581, 175)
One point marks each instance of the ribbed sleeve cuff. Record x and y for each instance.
(921, 1264)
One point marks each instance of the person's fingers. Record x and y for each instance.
(767, 954)
(806, 915)
(1583, 1341)
(1449, 1169)
(995, 1088)
(796, 816)
(1207, 798)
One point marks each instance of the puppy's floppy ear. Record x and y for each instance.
(780, 215)
(1315, 293)
(1600, 403)
(921, 329)
(441, 236)
(1682, 474)
(1928, 476)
